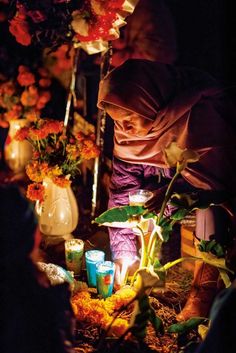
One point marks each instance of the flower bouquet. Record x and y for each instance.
(55, 161)
(25, 96)
(56, 154)
(21, 102)
(55, 22)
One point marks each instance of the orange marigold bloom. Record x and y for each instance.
(29, 97)
(53, 126)
(61, 181)
(31, 115)
(88, 152)
(19, 28)
(26, 78)
(35, 192)
(37, 134)
(9, 88)
(44, 97)
(35, 171)
(22, 134)
(11, 115)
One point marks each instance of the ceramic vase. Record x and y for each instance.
(58, 213)
(17, 153)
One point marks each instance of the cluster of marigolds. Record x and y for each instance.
(25, 96)
(56, 154)
(99, 312)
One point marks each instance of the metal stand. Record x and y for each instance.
(72, 88)
(100, 128)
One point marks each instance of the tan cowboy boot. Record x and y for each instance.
(202, 293)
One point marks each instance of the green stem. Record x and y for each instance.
(143, 249)
(167, 196)
(181, 259)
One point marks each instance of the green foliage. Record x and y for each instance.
(167, 228)
(143, 314)
(211, 246)
(120, 214)
(183, 327)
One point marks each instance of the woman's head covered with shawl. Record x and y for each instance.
(139, 86)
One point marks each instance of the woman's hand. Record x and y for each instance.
(154, 204)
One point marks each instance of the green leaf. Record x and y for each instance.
(156, 322)
(119, 214)
(225, 278)
(186, 201)
(211, 246)
(179, 214)
(166, 228)
(186, 326)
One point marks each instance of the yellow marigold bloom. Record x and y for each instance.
(118, 327)
(37, 171)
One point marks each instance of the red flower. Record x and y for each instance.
(35, 192)
(19, 28)
(25, 78)
(22, 134)
(37, 16)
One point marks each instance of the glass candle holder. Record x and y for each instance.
(138, 198)
(74, 250)
(92, 257)
(105, 272)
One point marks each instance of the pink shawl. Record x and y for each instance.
(187, 107)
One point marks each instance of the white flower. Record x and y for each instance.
(79, 24)
(175, 156)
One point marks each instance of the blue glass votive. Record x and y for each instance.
(105, 278)
(92, 257)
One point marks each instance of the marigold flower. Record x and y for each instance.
(9, 88)
(26, 78)
(11, 115)
(44, 97)
(35, 171)
(35, 192)
(19, 28)
(61, 181)
(31, 115)
(37, 134)
(29, 97)
(88, 152)
(22, 134)
(53, 126)
(94, 311)
(118, 327)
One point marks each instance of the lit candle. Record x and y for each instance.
(105, 278)
(74, 249)
(92, 257)
(138, 198)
